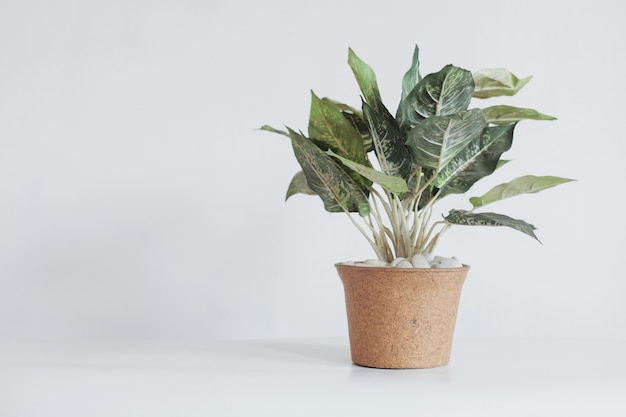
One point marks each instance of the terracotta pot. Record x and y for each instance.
(401, 318)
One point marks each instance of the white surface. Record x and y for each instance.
(132, 180)
(311, 378)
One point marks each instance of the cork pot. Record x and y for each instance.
(401, 318)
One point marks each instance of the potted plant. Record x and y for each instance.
(402, 305)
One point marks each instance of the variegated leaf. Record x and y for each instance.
(327, 125)
(393, 184)
(467, 218)
(493, 82)
(504, 115)
(438, 139)
(337, 190)
(528, 184)
(392, 154)
(477, 160)
(298, 185)
(443, 93)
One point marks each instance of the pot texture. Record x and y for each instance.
(401, 318)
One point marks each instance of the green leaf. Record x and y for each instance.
(504, 115)
(392, 154)
(477, 160)
(366, 78)
(466, 218)
(493, 82)
(393, 184)
(502, 162)
(337, 190)
(355, 118)
(528, 184)
(327, 125)
(438, 139)
(268, 128)
(443, 93)
(298, 185)
(412, 77)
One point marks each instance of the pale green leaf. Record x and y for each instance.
(493, 82)
(327, 178)
(298, 185)
(393, 184)
(268, 128)
(504, 115)
(438, 139)
(366, 78)
(467, 218)
(527, 184)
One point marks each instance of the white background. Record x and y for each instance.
(138, 201)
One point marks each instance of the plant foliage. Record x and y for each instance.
(436, 145)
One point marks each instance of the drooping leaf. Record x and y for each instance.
(393, 184)
(337, 190)
(438, 139)
(493, 82)
(366, 78)
(504, 115)
(502, 162)
(411, 78)
(467, 218)
(298, 185)
(327, 125)
(443, 93)
(528, 184)
(392, 154)
(268, 128)
(477, 160)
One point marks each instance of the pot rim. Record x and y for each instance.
(390, 268)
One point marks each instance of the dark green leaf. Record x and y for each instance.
(337, 190)
(493, 82)
(393, 184)
(366, 78)
(355, 118)
(477, 160)
(528, 184)
(392, 154)
(443, 93)
(504, 115)
(298, 185)
(438, 139)
(466, 218)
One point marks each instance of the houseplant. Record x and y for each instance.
(435, 146)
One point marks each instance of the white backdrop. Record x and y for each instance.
(139, 202)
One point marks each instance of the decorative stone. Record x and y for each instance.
(404, 264)
(419, 261)
(396, 261)
(429, 257)
(448, 263)
(375, 262)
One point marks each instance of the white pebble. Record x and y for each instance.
(397, 261)
(348, 263)
(363, 264)
(448, 263)
(429, 257)
(419, 261)
(404, 264)
(375, 262)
